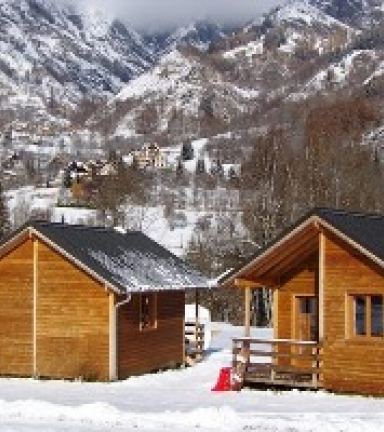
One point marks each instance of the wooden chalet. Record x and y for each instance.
(327, 277)
(90, 302)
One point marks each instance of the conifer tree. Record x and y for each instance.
(5, 225)
(187, 152)
(200, 167)
(179, 168)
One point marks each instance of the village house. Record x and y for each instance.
(90, 302)
(327, 277)
(150, 156)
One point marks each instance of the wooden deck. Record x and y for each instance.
(279, 362)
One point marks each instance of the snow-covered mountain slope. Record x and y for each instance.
(43, 42)
(179, 94)
(356, 13)
(305, 25)
(355, 70)
(222, 84)
(53, 58)
(200, 34)
(296, 11)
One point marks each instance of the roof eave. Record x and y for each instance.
(317, 221)
(313, 219)
(13, 241)
(167, 288)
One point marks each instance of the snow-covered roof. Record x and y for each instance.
(126, 262)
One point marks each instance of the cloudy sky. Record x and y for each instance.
(143, 12)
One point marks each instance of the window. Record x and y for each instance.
(148, 311)
(376, 316)
(366, 315)
(360, 316)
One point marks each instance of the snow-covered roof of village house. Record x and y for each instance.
(129, 262)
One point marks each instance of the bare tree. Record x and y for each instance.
(5, 224)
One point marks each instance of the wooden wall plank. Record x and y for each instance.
(72, 320)
(146, 350)
(16, 318)
(301, 280)
(349, 365)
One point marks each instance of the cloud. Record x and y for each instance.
(143, 13)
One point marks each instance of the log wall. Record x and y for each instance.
(141, 351)
(72, 320)
(301, 280)
(72, 317)
(350, 364)
(16, 296)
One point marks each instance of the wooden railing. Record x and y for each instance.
(285, 362)
(194, 342)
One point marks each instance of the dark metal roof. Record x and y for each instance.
(364, 229)
(128, 261)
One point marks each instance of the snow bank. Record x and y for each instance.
(181, 400)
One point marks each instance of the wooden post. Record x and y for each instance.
(112, 338)
(321, 286)
(35, 288)
(275, 313)
(247, 315)
(234, 353)
(197, 330)
(315, 365)
(197, 306)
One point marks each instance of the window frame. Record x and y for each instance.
(351, 333)
(152, 298)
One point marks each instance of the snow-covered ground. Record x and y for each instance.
(180, 401)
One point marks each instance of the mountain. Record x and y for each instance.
(191, 90)
(66, 48)
(357, 13)
(297, 52)
(179, 97)
(53, 57)
(59, 61)
(73, 68)
(200, 33)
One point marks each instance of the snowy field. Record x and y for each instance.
(180, 401)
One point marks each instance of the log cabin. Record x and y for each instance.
(90, 302)
(326, 274)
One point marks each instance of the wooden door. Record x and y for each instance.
(306, 329)
(307, 319)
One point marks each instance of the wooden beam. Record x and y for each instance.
(197, 301)
(321, 284)
(296, 257)
(247, 310)
(112, 338)
(306, 225)
(35, 243)
(275, 313)
(290, 250)
(14, 242)
(245, 283)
